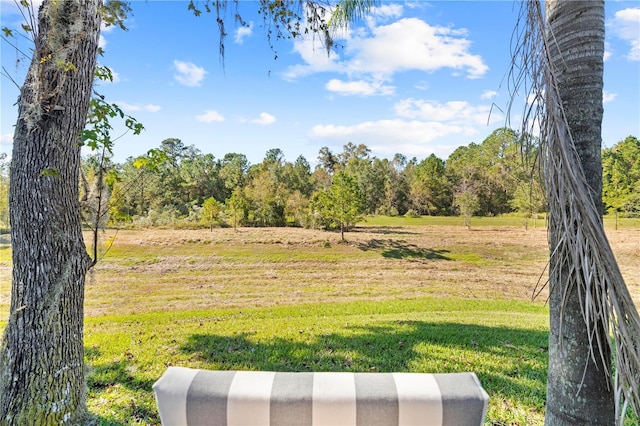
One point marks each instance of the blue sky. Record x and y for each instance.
(415, 78)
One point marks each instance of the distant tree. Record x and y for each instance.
(297, 210)
(98, 176)
(320, 179)
(275, 156)
(528, 198)
(327, 161)
(492, 166)
(351, 151)
(266, 197)
(396, 189)
(212, 212)
(370, 174)
(527, 193)
(429, 189)
(621, 177)
(340, 206)
(130, 191)
(237, 206)
(233, 172)
(200, 175)
(466, 199)
(301, 177)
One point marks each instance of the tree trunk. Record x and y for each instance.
(42, 378)
(578, 388)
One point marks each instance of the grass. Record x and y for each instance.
(423, 295)
(504, 342)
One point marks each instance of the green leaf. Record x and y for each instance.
(104, 73)
(89, 135)
(7, 32)
(27, 28)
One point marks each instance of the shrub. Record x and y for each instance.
(411, 213)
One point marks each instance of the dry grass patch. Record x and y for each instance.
(154, 270)
(261, 267)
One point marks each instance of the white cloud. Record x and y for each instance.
(608, 97)
(384, 13)
(386, 137)
(116, 77)
(102, 42)
(137, 107)
(412, 44)
(361, 88)
(393, 10)
(626, 25)
(607, 52)
(315, 59)
(459, 112)
(421, 127)
(395, 130)
(488, 94)
(209, 116)
(264, 119)
(6, 139)
(189, 74)
(242, 33)
(407, 44)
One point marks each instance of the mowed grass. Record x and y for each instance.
(504, 342)
(395, 297)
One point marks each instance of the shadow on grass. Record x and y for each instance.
(509, 362)
(105, 376)
(396, 230)
(400, 249)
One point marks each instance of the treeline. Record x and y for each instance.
(177, 184)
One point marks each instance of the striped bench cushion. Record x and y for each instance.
(200, 397)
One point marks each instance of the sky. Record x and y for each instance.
(415, 77)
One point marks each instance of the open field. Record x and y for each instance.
(397, 296)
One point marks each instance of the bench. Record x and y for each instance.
(201, 397)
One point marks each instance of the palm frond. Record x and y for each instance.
(578, 242)
(347, 11)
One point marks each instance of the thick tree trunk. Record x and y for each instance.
(42, 378)
(578, 390)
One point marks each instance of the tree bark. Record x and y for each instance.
(42, 378)
(578, 389)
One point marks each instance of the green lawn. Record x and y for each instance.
(504, 220)
(504, 342)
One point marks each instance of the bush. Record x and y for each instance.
(411, 213)
(387, 211)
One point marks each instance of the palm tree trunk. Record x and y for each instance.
(42, 379)
(578, 388)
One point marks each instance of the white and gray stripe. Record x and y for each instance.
(234, 398)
